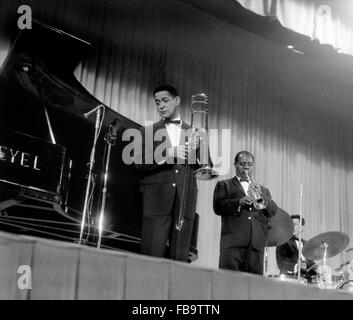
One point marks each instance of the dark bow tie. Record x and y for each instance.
(171, 121)
(243, 180)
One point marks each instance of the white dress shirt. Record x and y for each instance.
(174, 131)
(245, 185)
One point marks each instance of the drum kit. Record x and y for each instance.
(318, 249)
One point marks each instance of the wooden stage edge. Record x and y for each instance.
(35, 268)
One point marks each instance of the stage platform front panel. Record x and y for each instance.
(35, 268)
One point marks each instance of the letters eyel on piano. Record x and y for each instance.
(19, 158)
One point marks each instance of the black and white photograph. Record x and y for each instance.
(190, 151)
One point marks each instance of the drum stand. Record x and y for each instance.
(324, 243)
(325, 278)
(300, 243)
(110, 139)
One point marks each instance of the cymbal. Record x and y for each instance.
(336, 242)
(341, 266)
(280, 229)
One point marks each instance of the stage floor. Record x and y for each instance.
(35, 268)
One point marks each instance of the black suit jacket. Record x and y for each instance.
(160, 183)
(241, 225)
(287, 256)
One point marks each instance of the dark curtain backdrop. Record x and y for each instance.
(293, 112)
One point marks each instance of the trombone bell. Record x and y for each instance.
(199, 119)
(205, 173)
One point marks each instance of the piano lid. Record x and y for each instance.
(42, 61)
(59, 51)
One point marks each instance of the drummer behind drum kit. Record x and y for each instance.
(318, 248)
(321, 247)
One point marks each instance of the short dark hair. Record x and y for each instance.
(297, 216)
(236, 159)
(166, 87)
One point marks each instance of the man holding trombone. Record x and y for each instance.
(167, 181)
(245, 208)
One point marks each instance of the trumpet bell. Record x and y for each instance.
(260, 204)
(206, 173)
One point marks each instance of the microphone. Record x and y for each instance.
(87, 114)
(111, 136)
(112, 128)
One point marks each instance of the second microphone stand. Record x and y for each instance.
(91, 165)
(110, 139)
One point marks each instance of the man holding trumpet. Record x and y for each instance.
(245, 207)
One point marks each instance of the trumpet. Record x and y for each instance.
(258, 201)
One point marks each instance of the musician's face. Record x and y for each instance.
(245, 162)
(296, 227)
(166, 104)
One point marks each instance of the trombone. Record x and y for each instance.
(199, 137)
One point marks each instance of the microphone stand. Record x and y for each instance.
(91, 162)
(110, 139)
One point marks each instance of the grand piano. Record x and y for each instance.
(45, 146)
